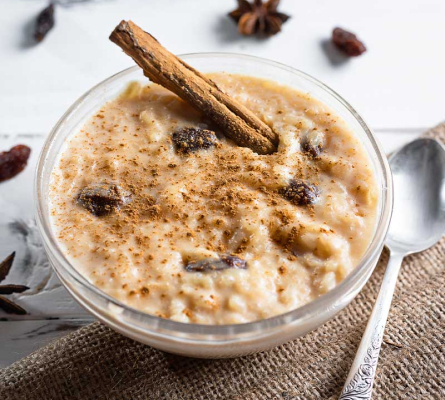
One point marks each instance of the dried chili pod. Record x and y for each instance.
(44, 23)
(13, 162)
(216, 264)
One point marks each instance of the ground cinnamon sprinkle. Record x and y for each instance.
(224, 200)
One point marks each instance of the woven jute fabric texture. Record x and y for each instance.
(97, 363)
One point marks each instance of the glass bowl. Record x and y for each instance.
(211, 341)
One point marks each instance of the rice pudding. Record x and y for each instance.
(158, 209)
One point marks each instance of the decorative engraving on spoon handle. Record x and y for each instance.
(358, 385)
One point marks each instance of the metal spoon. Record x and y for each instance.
(418, 222)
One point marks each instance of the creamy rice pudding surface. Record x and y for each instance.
(162, 212)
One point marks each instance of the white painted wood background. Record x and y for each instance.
(398, 86)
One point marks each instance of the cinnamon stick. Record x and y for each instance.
(167, 70)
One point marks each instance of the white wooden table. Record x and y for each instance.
(398, 86)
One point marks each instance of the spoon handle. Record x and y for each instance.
(358, 385)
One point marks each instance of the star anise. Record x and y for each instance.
(258, 17)
(5, 304)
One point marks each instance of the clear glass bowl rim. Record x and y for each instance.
(302, 313)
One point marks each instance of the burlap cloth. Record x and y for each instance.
(97, 363)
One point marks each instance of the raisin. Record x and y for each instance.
(312, 143)
(189, 140)
(44, 23)
(13, 161)
(216, 264)
(347, 42)
(300, 192)
(103, 198)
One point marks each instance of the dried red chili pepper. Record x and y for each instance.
(44, 23)
(13, 161)
(347, 42)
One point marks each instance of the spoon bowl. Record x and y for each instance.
(418, 218)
